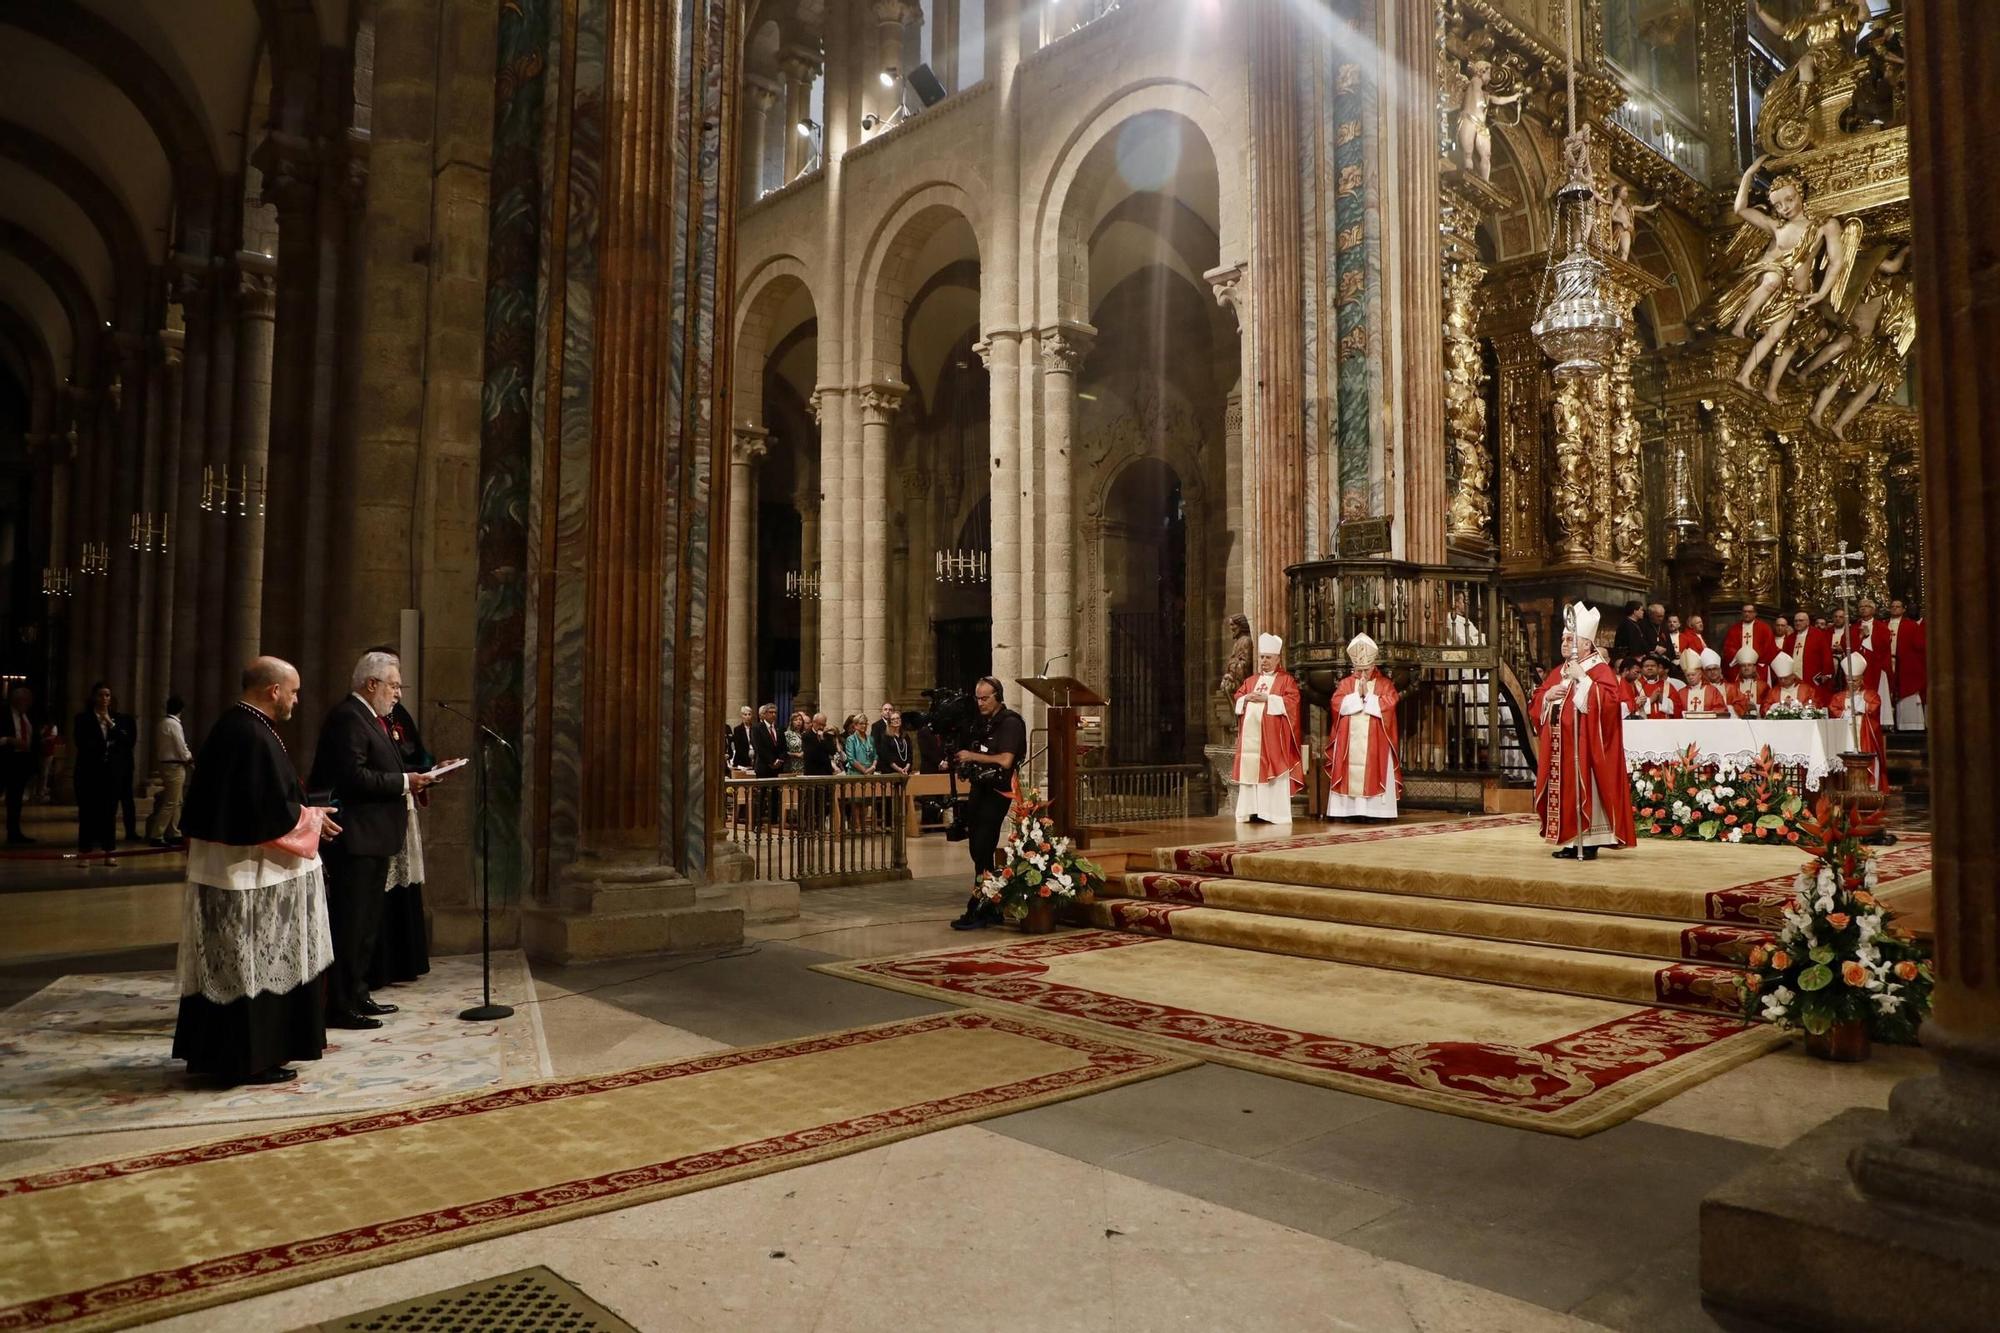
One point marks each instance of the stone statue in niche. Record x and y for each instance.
(1475, 132)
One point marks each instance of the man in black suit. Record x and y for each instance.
(767, 753)
(20, 756)
(358, 763)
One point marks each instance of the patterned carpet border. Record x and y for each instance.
(1577, 1085)
(226, 1278)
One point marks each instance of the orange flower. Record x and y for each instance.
(1838, 920)
(1044, 892)
(1865, 898)
(1758, 955)
(1854, 974)
(1781, 960)
(1906, 970)
(1754, 981)
(1729, 819)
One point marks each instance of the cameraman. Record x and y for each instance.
(989, 766)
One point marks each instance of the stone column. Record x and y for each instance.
(256, 307)
(1412, 259)
(758, 99)
(944, 44)
(750, 445)
(1277, 427)
(806, 500)
(184, 546)
(127, 400)
(878, 410)
(800, 68)
(165, 492)
(829, 408)
(212, 576)
(888, 53)
(1063, 351)
(1001, 351)
(1792, 1240)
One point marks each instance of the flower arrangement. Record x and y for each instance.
(1684, 798)
(1837, 959)
(1037, 865)
(1793, 712)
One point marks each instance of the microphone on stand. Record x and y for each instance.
(468, 719)
(487, 1011)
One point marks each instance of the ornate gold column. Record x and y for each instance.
(1629, 545)
(1506, 308)
(1574, 486)
(1872, 472)
(1464, 200)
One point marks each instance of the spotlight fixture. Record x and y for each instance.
(808, 127)
(889, 76)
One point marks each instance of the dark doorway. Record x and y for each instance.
(1146, 559)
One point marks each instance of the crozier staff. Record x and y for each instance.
(254, 930)
(1582, 792)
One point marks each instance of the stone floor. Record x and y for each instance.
(1208, 1199)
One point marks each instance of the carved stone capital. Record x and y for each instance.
(291, 169)
(763, 96)
(1227, 283)
(820, 401)
(748, 444)
(799, 66)
(1065, 346)
(171, 343)
(880, 401)
(256, 285)
(886, 12)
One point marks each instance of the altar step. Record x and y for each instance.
(1599, 975)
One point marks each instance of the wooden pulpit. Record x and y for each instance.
(1064, 695)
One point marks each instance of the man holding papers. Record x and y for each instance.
(358, 762)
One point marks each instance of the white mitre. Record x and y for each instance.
(1745, 656)
(1269, 643)
(1690, 661)
(1856, 665)
(1711, 660)
(1782, 666)
(1583, 622)
(1363, 651)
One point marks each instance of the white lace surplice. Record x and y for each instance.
(253, 922)
(407, 866)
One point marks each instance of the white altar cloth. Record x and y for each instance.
(1811, 745)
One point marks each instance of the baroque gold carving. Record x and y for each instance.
(1575, 497)
(1628, 511)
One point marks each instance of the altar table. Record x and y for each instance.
(1809, 746)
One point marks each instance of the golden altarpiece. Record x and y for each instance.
(1749, 184)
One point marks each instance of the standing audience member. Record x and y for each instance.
(20, 756)
(893, 753)
(1755, 634)
(358, 762)
(102, 747)
(992, 759)
(170, 743)
(1908, 667)
(1634, 637)
(795, 742)
(856, 747)
(254, 932)
(820, 752)
(880, 726)
(742, 759)
(1693, 636)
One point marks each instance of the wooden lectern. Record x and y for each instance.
(1063, 695)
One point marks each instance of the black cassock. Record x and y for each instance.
(250, 957)
(402, 944)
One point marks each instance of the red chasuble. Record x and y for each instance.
(1382, 762)
(1743, 698)
(1659, 698)
(1908, 657)
(1279, 749)
(1871, 730)
(1812, 658)
(1871, 639)
(1763, 641)
(1582, 762)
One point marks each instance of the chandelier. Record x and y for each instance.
(802, 587)
(1577, 325)
(96, 559)
(55, 581)
(961, 566)
(149, 533)
(232, 491)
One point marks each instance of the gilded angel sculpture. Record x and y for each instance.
(1868, 355)
(1828, 31)
(1776, 285)
(1475, 134)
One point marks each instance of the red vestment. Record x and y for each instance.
(1382, 759)
(1762, 640)
(1742, 699)
(1774, 697)
(1279, 749)
(1909, 661)
(1705, 698)
(1871, 639)
(1690, 641)
(1581, 768)
(1812, 659)
(1660, 698)
(1871, 729)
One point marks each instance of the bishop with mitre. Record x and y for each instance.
(1705, 696)
(1861, 708)
(1786, 691)
(1364, 776)
(254, 930)
(1582, 792)
(1269, 763)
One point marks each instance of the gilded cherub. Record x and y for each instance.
(1777, 285)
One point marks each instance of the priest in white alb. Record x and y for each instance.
(1269, 763)
(1364, 776)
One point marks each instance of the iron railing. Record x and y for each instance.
(1455, 648)
(1135, 792)
(821, 831)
